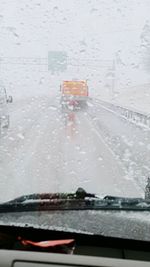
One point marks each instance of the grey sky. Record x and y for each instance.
(90, 31)
(98, 28)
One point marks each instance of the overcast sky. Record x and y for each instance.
(87, 30)
(94, 27)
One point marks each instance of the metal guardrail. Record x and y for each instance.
(132, 115)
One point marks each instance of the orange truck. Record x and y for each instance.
(74, 93)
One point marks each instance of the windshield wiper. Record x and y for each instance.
(80, 200)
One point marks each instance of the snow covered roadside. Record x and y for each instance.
(136, 98)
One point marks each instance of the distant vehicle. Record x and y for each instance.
(4, 114)
(74, 94)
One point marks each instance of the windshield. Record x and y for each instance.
(76, 77)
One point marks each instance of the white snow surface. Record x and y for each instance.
(46, 150)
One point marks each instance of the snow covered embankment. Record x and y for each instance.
(133, 115)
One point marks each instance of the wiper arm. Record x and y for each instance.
(80, 200)
(46, 201)
(79, 194)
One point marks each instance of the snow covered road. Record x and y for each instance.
(47, 150)
(129, 141)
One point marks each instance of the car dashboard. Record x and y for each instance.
(89, 250)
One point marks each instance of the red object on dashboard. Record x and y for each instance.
(48, 243)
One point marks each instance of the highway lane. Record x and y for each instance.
(129, 142)
(47, 150)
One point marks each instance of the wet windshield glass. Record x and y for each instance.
(75, 112)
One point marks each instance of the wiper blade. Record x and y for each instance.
(46, 201)
(80, 200)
